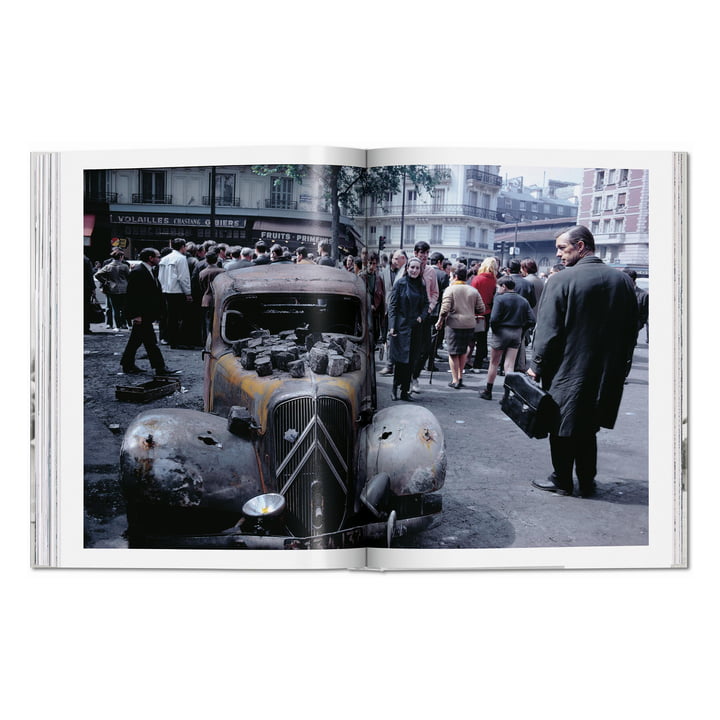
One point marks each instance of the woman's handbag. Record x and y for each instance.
(480, 324)
(529, 406)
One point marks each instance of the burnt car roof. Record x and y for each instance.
(287, 277)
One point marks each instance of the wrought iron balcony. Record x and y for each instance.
(483, 177)
(423, 209)
(144, 199)
(279, 204)
(103, 197)
(221, 201)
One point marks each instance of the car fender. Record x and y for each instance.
(188, 458)
(407, 443)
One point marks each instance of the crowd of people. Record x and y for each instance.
(574, 333)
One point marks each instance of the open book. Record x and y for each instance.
(279, 411)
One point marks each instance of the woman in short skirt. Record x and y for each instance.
(461, 303)
(511, 316)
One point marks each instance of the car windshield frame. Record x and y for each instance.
(274, 311)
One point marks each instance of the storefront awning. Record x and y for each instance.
(295, 233)
(88, 225)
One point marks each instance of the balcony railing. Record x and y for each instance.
(222, 202)
(152, 199)
(422, 209)
(279, 204)
(483, 177)
(103, 197)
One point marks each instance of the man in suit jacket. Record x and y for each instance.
(143, 306)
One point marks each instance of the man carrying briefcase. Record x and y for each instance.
(582, 351)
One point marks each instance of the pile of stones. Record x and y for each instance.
(296, 352)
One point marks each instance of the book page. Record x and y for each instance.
(498, 202)
(128, 201)
(492, 516)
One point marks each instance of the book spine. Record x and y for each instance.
(44, 391)
(680, 289)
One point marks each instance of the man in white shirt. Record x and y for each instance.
(174, 277)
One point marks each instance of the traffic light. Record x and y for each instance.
(381, 242)
(499, 246)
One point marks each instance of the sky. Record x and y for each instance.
(534, 175)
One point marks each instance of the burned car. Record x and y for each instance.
(291, 451)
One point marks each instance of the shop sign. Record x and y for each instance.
(176, 220)
(277, 236)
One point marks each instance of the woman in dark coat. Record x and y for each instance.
(406, 312)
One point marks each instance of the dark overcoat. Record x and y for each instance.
(407, 304)
(144, 295)
(584, 341)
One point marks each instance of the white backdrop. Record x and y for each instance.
(118, 644)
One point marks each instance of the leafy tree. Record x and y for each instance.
(344, 187)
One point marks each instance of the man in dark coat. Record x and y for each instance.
(582, 351)
(143, 305)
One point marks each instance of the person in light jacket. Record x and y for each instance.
(461, 304)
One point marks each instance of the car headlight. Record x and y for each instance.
(268, 505)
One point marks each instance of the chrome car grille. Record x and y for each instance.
(313, 451)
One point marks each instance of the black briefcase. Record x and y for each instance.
(529, 406)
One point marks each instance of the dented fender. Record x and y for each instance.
(188, 458)
(408, 444)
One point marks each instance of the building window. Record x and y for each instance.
(595, 227)
(387, 232)
(546, 209)
(470, 236)
(96, 185)
(619, 225)
(599, 179)
(152, 186)
(282, 193)
(534, 207)
(409, 234)
(621, 201)
(473, 198)
(624, 176)
(508, 204)
(597, 204)
(438, 200)
(483, 237)
(609, 202)
(611, 177)
(436, 235)
(224, 189)
(606, 227)
(523, 205)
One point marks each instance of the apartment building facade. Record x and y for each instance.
(457, 217)
(615, 206)
(147, 207)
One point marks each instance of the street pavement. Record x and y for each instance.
(488, 501)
